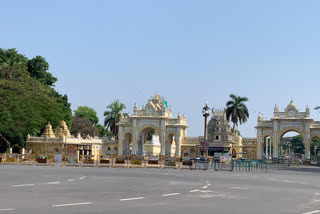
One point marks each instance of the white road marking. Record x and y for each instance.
(239, 188)
(22, 185)
(83, 177)
(130, 199)
(204, 187)
(71, 179)
(8, 209)
(195, 190)
(316, 211)
(272, 179)
(209, 184)
(171, 194)
(288, 181)
(75, 204)
(55, 182)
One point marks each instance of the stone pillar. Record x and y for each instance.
(178, 146)
(275, 139)
(120, 143)
(163, 142)
(10, 150)
(142, 149)
(259, 149)
(267, 148)
(270, 142)
(307, 147)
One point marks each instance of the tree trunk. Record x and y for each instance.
(5, 140)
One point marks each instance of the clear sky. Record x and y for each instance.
(188, 51)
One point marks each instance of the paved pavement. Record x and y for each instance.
(30, 189)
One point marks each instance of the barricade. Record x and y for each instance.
(88, 160)
(72, 160)
(10, 159)
(2, 158)
(186, 163)
(42, 160)
(120, 161)
(105, 161)
(137, 161)
(170, 162)
(26, 159)
(153, 162)
(199, 164)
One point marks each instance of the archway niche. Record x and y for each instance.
(127, 144)
(170, 146)
(315, 147)
(291, 145)
(148, 142)
(267, 147)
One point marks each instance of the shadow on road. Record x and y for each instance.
(302, 169)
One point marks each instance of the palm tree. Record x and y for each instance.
(112, 116)
(12, 68)
(236, 110)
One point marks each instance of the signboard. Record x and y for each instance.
(137, 160)
(120, 160)
(203, 146)
(112, 152)
(225, 159)
(57, 159)
(72, 149)
(186, 161)
(153, 160)
(170, 161)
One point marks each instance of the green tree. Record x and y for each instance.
(38, 69)
(87, 112)
(83, 126)
(26, 104)
(236, 110)
(101, 129)
(112, 116)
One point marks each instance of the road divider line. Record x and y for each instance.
(55, 182)
(75, 204)
(71, 180)
(22, 185)
(171, 194)
(312, 212)
(239, 188)
(131, 199)
(195, 190)
(83, 177)
(204, 187)
(8, 209)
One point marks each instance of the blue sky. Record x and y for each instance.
(188, 51)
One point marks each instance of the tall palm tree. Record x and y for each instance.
(237, 110)
(112, 116)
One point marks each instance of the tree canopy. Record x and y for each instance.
(27, 101)
(87, 112)
(84, 127)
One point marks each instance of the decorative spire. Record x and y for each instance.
(48, 131)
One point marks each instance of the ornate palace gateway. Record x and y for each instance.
(155, 118)
(283, 122)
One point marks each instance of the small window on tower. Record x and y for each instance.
(217, 137)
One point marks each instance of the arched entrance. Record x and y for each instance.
(291, 146)
(282, 122)
(127, 144)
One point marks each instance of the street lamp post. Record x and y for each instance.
(206, 113)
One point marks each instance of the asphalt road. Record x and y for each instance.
(31, 189)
